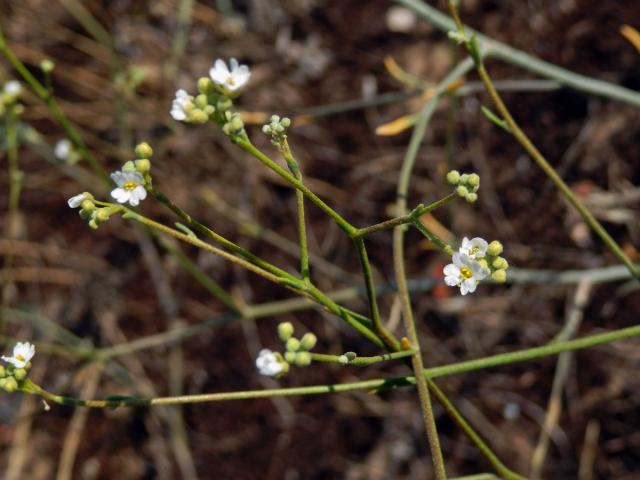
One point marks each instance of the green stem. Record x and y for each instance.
(432, 237)
(233, 247)
(248, 147)
(361, 361)
(525, 61)
(294, 168)
(534, 153)
(404, 219)
(389, 340)
(46, 96)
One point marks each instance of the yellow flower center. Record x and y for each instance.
(466, 272)
(20, 358)
(230, 81)
(474, 250)
(129, 185)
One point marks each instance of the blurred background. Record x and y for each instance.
(116, 311)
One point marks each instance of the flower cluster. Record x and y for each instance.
(467, 184)
(9, 95)
(475, 261)
(19, 363)
(274, 364)
(214, 97)
(131, 187)
(277, 129)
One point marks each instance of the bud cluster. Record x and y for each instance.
(9, 96)
(277, 129)
(297, 350)
(467, 184)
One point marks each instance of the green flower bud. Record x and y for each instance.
(144, 150)
(3, 371)
(224, 104)
(290, 357)
(343, 360)
(464, 178)
(453, 177)
(266, 129)
(285, 330)
(20, 374)
(201, 101)
(483, 263)
(293, 344)
(93, 224)
(500, 264)
(10, 384)
(499, 276)
(102, 215)
(143, 165)
(285, 122)
(474, 180)
(87, 205)
(303, 359)
(471, 197)
(129, 167)
(47, 65)
(204, 85)
(350, 356)
(209, 110)
(308, 341)
(198, 116)
(237, 124)
(275, 118)
(495, 248)
(462, 191)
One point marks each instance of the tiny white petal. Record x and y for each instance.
(120, 195)
(22, 354)
(76, 200)
(62, 149)
(181, 103)
(13, 87)
(267, 363)
(230, 79)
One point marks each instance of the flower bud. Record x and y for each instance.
(290, 357)
(209, 110)
(453, 177)
(204, 85)
(102, 215)
(275, 118)
(285, 330)
(350, 356)
(499, 276)
(143, 165)
(303, 359)
(308, 341)
(464, 178)
(285, 122)
(20, 374)
(473, 180)
(9, 384)
(266, 129)
(3, 371)
(483, 263)
(462, 191)
(471, 197)
(87, 205)
(343, 360)
(47, 65)
(198, 116)
(500, 264)
(495, 248)
(129, 167)
(201, 101)
(293, 344)
(144, 150)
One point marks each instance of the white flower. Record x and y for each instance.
(464, 272)
(13, 88)
(475, 248)
(130, 187)
(181, 106)
(229, 79)
(268, 363)
(62, 149)
(22, 353)
(76, 200)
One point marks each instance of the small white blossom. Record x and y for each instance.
(475, 248)
(268, 363)
(76, 200)
(62, 149)
(181, 106)
(13, 88)
(22, 354)
(229, 79)
(130, 187)
(464, 272)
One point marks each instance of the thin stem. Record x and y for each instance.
(542, 162)
(15, 186)
(480, 444)
(361, 361)
(248, 147)
(294, 168)
(432, 237)
(516, 57)
(389, 340)
(404, 219)
(233, 247)
(46, 96)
